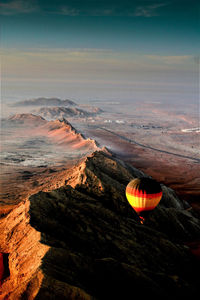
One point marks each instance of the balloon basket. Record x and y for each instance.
(142, 220)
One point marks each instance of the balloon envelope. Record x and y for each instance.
(143, 194)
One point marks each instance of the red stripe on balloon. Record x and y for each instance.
(140, 209)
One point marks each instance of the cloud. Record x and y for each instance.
(113, 9)
(17, 7)
(12, 7)
(87, 65)
(69, 11)
(148, 10)
(170, 59)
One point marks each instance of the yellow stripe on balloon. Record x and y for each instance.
(141, 202)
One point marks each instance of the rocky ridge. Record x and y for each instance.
(59, 131)
(84, 241)
(52, 113)
(25, 119)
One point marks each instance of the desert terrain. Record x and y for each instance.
(66, 226)
(158, 139)
(33, 150)
(153, 138)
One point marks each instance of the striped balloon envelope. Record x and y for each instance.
(143, 194)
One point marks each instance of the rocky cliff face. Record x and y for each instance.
(21, 242)
(84, 241)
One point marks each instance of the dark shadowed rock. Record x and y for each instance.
(84, 241)
(98, 245)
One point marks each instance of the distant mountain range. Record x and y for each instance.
(45, 102)
(51, 113)
(25, 117)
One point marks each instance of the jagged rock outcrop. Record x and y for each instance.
(21, 242)
(93, 245)
(63, 133)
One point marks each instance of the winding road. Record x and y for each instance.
(149, 147)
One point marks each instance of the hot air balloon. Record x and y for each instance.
(143, 194)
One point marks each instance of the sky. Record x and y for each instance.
(97, 49)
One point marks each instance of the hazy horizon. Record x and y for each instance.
(100, 50)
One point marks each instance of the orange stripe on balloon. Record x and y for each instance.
(129, 196)
(137, 193)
